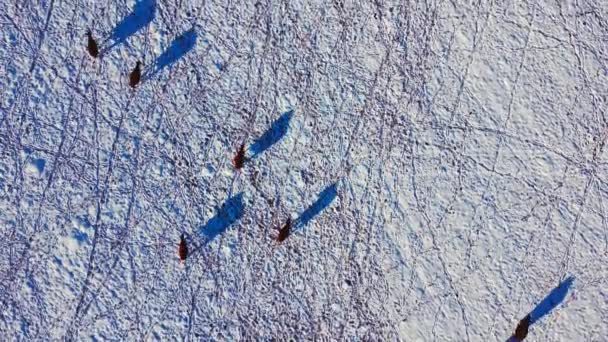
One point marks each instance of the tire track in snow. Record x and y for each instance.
(78, 312)
(42, 35)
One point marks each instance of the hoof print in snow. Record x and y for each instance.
(36, 167)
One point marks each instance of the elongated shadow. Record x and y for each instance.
(551, 301)
(179, 47)
(230, 212)
(276, 132)
(143, 13)
(326, 197)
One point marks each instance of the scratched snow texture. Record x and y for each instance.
(444, 162)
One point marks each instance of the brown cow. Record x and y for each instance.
(92, 45)
(284, 231)
(135, 75)
(522, 329)
(239, 159)
(183, 249)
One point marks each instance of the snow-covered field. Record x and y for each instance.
(445, 164)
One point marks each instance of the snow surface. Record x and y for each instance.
(444, 162)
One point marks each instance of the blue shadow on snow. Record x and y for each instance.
(551, 301)
(179, 47)
(230, 212)
(326, 197)
(276, 132)
(142, 15)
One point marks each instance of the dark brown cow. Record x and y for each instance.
(284, 231)
(522, 329)
(183, 249)
(92, 47)
(135, 75)
(239, 159)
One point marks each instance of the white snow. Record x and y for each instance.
(445, 167)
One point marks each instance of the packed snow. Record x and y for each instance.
(444, 165)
